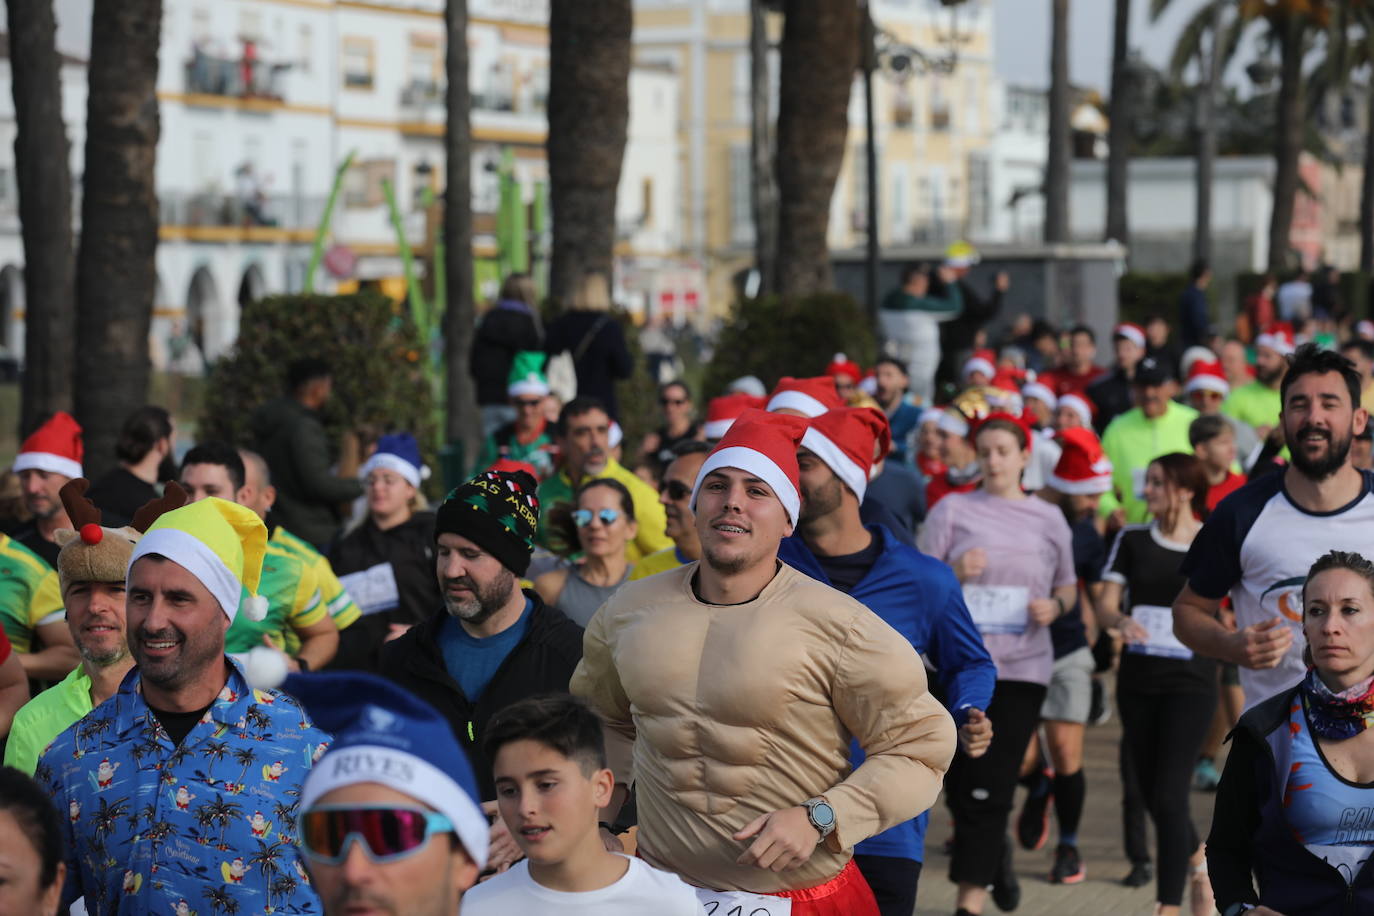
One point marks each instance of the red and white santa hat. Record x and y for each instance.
(1082, 468)
(1132, 332)
(844, 439)
(869, 384)
(984, 361)
(1192, 356)
(1207, 376)
(1079, 405)
(843, 365)
(809, 397)
(724, 410)
(1040, 391)
(765, 445)
(54, 447)
(1277, 337)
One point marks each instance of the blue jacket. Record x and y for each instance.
(919, 597)
(1194, 325)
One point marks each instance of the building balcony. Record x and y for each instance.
(235, 79)
(216, 217)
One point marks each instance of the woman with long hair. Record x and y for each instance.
(603, 525)
(1012, 601)
(1165, 693)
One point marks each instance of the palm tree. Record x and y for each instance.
(266, 860)
(459, 313)
(115, 274)
(226, 812)
(220, 901)
(44, 181)
(1119, 128)
(819, 57)
(244, 757)
(1058, 163)
(589, 112)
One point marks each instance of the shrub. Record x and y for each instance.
(776, 336)
(369, 340)
(1142, 295)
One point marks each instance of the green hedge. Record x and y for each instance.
(1142, 295)
(776, 336)
(369, 340)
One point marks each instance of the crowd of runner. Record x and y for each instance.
(733, 670)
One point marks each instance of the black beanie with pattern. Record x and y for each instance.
(496, 510)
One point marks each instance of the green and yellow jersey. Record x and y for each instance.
(30, 595)
(293, 603)
(338, 602)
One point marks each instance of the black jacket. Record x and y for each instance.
(1112, 396)
(958, 333)
(502, 332)
(542, 662)
(293, 442)
(605, 358)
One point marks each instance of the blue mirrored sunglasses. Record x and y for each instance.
(583, 517)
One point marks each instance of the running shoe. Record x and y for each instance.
(1006, 889)
(1068, 866)
(1141, 874)
(1033, 824)
(1205, 776)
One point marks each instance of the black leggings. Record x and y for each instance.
(1162, 734)
(979, 791)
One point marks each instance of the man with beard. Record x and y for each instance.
(172, 784)
(493, 643)
(675, 493)
(735, 686)
(1259, 543)
(1258, 403)
(46, 461)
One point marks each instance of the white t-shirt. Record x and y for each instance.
(642, 889)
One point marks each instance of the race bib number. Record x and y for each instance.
(373, 590)
(1159, 623)
(998, 608)
(1138, 482)
(740, 903)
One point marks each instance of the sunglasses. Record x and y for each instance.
(583, 517)
(676, 490)
(672, 402)
(386, 834)
(530, 403)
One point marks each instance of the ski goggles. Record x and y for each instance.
(386, 833)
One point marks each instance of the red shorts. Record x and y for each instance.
(846, 894)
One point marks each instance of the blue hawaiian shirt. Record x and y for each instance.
(207, 827)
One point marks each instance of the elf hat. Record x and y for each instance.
(844, 439)
(383, 734)
(1132, 332)
(984, 361)
(723, 411)
(765, 445)
(1082, 468)
(1039, 391)
(1192, 356)
(1207, 376)
(843, 365)
(54, 447)
(1079, 405)
(93, 553)
(398, 452)
(526, 377)
(809, 397)
(220, 543)
(1277, 337)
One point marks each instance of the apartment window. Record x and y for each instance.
(200, 24)
(940, 116)
(425, 62)
(900, 220)
(250, 25)
(743, 94)
(858, 217)
(972, 101)
(979, 193)
(358, 63)
(305, 48)
(741, 204)
(363, 182)
(646, 201)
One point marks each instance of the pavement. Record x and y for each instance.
(1099, 842)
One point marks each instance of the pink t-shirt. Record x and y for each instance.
(1029, 546)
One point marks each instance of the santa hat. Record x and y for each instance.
(526, 378)
(810, 397)
(1039, 391)
(1192, 356)
(507, 466)
(1277, 337)
(1132, 332)
(220, 543)
(1009, 378)
(1207, 376)
(723, 411)
(765, 445)
(984, 361)
(1079, 405)
(1364, 329)
(844, 440)
(1082, 468)
(54, 447)
(384, 734)
(93, 553)
(1013, 418)
(843, 365)
(614, 435)
(952, 421)
(748, 384)
(398, 452)
(869, 383)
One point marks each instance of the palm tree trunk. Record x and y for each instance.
(1057, 167)
(45, 211)
(1210, 68)
(589, 113)
(1367, 192)
(763, 189)
(460, 423)
(1288, 136)
(115, 271)
(1119, 130)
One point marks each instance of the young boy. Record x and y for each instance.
(549, 763)
(1215, 444)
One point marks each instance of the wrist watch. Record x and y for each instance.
(821, 815)
(1236, 909)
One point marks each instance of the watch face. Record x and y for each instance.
(823, 814)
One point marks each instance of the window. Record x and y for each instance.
(646, 201)
(858, 217)
(305, 48)
(899, 220)
(357, 63)
(940, 118)
(743, 86)
(425, 63)
(363, 182)
(972, 105)
(741, 203)
(979, 193)
(250, 25)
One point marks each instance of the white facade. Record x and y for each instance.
(1008, 203)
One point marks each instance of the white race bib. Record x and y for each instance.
(373, 590)
(741, 903)
(1138, 482)
(1159, 623)
(998, 608)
